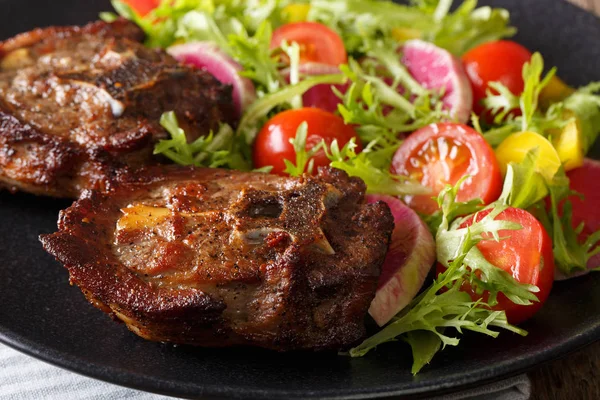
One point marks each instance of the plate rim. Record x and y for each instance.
(126, 378)
(168, 387)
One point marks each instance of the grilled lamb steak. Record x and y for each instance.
(211, 257)
(79, 105)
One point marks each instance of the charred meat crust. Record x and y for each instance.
(79, 105)
(120, 28)
(229, 258)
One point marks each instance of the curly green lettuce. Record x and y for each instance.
(436, 318)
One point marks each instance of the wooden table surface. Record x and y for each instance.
(592, 5)
(576, 377)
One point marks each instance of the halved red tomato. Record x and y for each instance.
(142, 7)
(317, 42)
(272, 144)
(441, 154)
(525, 253)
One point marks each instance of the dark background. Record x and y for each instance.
(44, 317)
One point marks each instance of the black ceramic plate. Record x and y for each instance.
(40, 314)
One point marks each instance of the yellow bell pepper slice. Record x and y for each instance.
(516, 146)
(568, 143)
(295, 12)
(556, 90)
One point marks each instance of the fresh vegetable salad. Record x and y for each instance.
(478, 151)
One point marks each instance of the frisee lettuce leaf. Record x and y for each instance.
(375, 174)
(257, 112)
(570, 254)
(524, 186)
(251, 50)
(379, 110)
(292, 52)
(254, 54)
(360, 21)
(424, 345)
(436, 313)
(372, 167)
(215, 150)
(469, 26)
(482, 274)
(202, 19)
(303, 162)
(585, 103)
(501, 102)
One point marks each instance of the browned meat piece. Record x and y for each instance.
(79, 105)
(212, 257)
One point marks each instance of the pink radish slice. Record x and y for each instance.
(407, 263)
(208, 56)
(585, 181)
(436, 68)
(320, 96)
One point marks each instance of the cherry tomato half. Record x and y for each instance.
(273, 145)
(441, 154)
(318, 43)
(500, 61)
(525, 253)
(142, 7)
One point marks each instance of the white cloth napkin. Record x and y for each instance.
(25, 378)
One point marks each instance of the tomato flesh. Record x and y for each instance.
(500, 61)
(142, 7)
(272, 144)
(441, 154)
(586, 210)
(525, 253)
(317, 42)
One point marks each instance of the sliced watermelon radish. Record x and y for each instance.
(436, 68)
(407, 263)
(320, 96)
(208, 56)
(585, 181)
